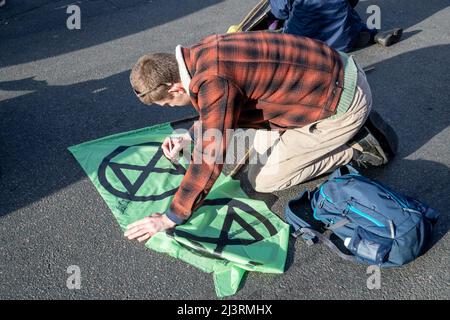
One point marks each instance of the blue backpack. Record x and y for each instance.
(377, 225)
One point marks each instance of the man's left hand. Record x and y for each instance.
(145, 228)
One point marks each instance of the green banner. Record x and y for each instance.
(227, 235)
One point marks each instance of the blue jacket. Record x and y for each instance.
(334, 22)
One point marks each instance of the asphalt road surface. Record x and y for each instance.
(61, 87)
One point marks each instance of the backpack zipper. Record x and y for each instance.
(365, 215)
(351, 208)
(394, 197)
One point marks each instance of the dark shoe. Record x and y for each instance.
(367, 149)
(388, 38)
(364, 39)
(384, 133)
(376, 143)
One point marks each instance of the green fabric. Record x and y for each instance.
(122, 170)
(350, 79)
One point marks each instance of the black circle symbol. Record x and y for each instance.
(225, 238)
(133, 188)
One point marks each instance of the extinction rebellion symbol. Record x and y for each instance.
(225, 237)
(132, 188)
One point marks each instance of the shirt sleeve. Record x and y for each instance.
(193, 128)
(219, 102)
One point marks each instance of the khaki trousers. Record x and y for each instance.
(301, 154)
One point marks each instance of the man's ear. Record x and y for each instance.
(177, 87)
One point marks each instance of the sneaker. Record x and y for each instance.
(383, 132)
(375, 143)
(367, 150)
(388, 38)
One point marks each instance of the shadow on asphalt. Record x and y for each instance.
(99, 25)
(403, 14)
(36, 128)
(425, 180)
(41, 15)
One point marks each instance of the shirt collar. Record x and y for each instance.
(184, 73)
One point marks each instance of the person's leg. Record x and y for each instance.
(302, 154)
(384, 38)
(353, 3)
(368, 36)
(365, 38)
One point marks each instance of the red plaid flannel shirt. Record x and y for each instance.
(253, 80)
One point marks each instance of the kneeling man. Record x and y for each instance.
(309, 102)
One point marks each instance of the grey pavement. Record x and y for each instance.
(60, 87)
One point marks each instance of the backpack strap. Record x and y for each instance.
(338, 224)
(305, 230)
(343, 170)
(326, 241)
(294, 219)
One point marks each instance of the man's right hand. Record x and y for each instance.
(173, 145)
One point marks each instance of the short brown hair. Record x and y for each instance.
(153, 72)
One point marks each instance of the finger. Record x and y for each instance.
(172, 154)
(167, 144)
(131, 231)
(137, 234)
(142, 222)
(144, 237)
(167, 154)
(138, 223)
(180, 143)
(175, 150)
(166, 150)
